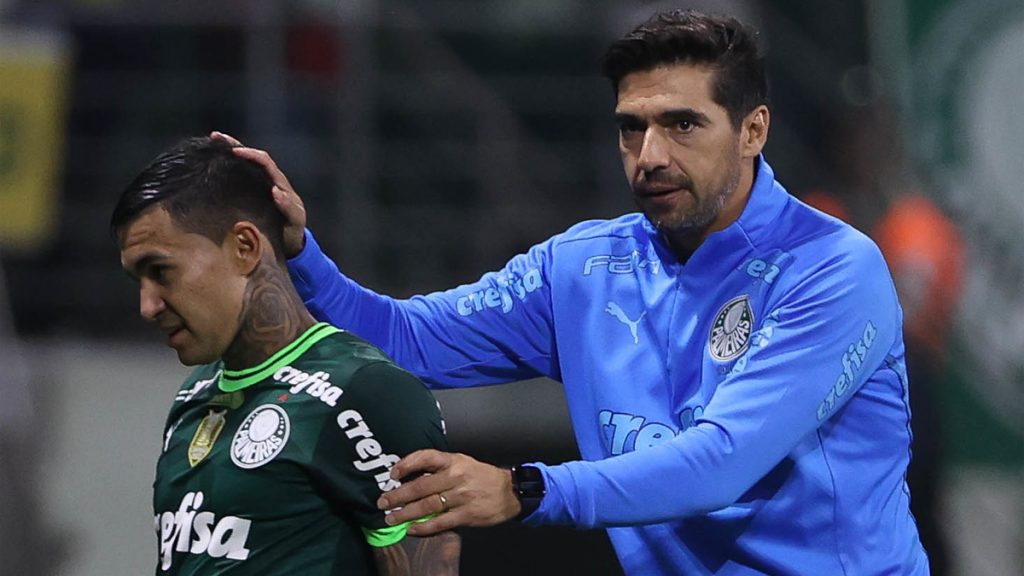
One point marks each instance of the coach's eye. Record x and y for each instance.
(685, 126)
(626, 128)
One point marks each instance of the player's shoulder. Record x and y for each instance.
(334, 357)
(352, 364)
(373, 385)
(344, 348)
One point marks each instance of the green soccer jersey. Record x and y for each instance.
(277, 469)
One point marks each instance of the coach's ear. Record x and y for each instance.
(754, 131)
(245, 246)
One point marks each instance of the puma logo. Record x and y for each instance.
(614, 310)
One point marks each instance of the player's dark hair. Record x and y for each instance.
(206, 189)
(726, 45)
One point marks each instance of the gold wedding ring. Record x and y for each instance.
(444, 502)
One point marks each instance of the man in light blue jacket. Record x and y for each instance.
(732, 359)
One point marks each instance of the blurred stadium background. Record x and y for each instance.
(432, 140)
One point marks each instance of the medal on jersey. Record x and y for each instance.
(205, 436)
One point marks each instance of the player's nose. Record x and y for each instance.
(151, 303)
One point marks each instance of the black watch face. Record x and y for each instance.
(529, 482)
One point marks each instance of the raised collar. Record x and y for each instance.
(767, 199)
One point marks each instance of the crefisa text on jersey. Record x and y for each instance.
(195, 532)
(316, 384)
(500, 296)
(853, 361)
(370, 452)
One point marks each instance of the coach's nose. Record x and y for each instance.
(653, 151)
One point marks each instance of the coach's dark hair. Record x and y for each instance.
(206, 189)
(689, 37)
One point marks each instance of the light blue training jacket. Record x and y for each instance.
(743, 413)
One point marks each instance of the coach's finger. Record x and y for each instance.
(427, 461)
(263, 158)
(222, 136)
(285, 198)
(419, 488)
(436, 525)
(433, 504)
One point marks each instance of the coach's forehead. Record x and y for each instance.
(667, 86)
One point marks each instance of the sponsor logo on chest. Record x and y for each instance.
(625, 432)
(730, 333)
(194, 531)
(624, 264)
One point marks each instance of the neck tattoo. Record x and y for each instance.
(272, 316)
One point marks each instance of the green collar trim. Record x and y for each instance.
(232, 380)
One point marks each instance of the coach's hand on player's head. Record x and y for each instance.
(456, 489)
(288, 202)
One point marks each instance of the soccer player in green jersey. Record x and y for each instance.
(280, 442)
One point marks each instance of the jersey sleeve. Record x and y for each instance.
(822, 339)
(498, 329)
(385, 413)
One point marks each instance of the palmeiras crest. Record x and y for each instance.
(730, 333)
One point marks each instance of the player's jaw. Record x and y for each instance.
(175, 335)
(173, 328)
(185, 341)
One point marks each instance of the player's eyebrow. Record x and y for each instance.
(136, 268)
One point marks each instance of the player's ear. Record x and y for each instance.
(754, 131)
(245, 246)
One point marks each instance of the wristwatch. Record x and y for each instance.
(528, 485)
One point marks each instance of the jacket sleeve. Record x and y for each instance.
(497, 329)
(824, 337)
